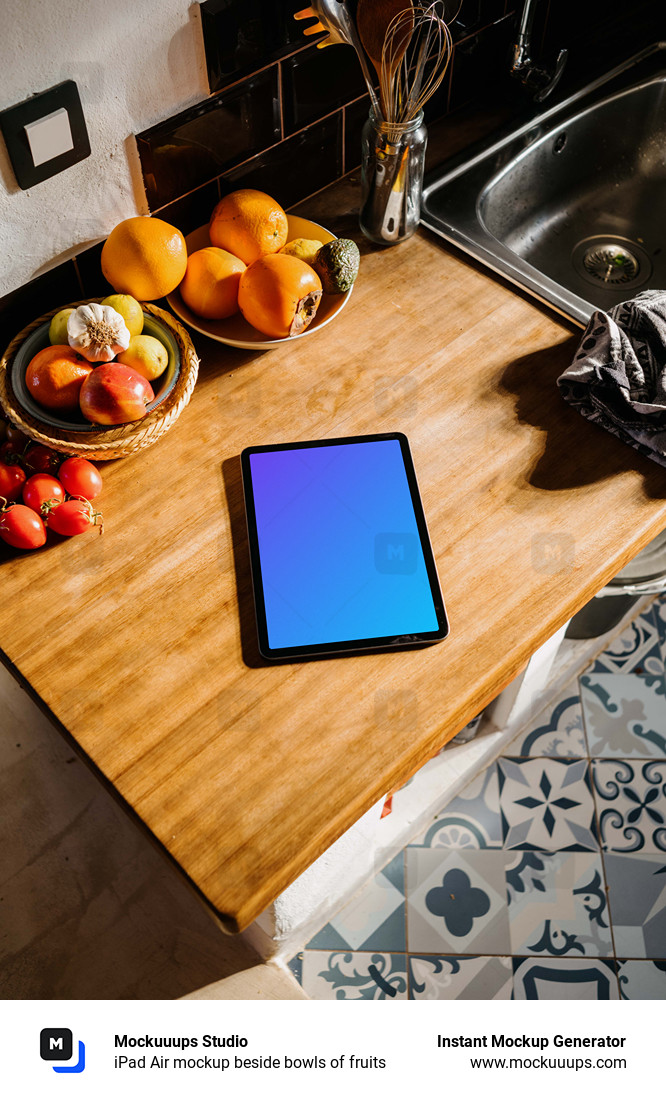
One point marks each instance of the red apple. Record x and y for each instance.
(115, 394)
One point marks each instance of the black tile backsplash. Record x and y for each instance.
(316, 81)
(356, 115)
(480, 64)
(192, 210)
(201, 142)
(241, 36)
(19, 307)
(297, 167)
(287, 118)
(271, 84)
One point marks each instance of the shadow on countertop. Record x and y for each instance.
(576, 452)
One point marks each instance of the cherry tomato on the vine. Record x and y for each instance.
(40, 490)
(12, 480)
(40, 459)
(73, 517)
(22, 528)
(80, 478)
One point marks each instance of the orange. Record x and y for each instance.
(54, 377)
(210, 286)
(249, 224)
(279, 295)
(144, 257)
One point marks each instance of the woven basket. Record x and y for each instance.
(117, 442)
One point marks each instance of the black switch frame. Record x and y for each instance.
(14, 119)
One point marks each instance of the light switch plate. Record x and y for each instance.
(36, 134)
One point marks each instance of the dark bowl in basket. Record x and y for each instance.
(39, 339)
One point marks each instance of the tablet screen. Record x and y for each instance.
(340, 553)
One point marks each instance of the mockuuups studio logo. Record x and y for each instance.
(56, 1045)
(553, 552)
(396, 552)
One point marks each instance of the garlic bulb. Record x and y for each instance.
(97, 332)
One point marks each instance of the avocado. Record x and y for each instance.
(336, 264)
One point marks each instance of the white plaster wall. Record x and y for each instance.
(136, 62)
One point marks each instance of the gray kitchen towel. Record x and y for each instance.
(618, 376)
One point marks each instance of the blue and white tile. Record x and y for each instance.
(631, 802)
(557, 731)
(637, 647)
(353, 975)
(373, 920)
(471, 820)
(625, 714)
(565, 980)
(456, 902)
(546, 805)
(466, 978)
(659, 614)
(642, 979)
(637, 900)
(557, 905)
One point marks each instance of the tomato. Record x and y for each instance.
(73, 517)
(12, 480)
(22, 528)
(10, 453)
(41, 460)
(40, 490)
(80, 478)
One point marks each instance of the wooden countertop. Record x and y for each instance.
(133, 640)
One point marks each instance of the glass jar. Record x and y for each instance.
(391, 178)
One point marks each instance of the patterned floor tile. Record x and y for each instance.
(564, 980)
(631, 800)
(642, 980)
(546, 805)
(659, 614)
(556, 731)
(374, 920)
(637, 900)
(557, 905)
(353, 975)
(625, 714)
(471, 820)
(471, 978)
(456, 902)
(637, 647)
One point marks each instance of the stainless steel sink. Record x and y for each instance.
(571, 205)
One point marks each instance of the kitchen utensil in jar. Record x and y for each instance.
(373, 17)
(335, 17)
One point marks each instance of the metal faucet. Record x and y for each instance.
(539, 80)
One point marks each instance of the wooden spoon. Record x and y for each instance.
(372, 21)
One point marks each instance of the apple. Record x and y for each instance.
(115, 394)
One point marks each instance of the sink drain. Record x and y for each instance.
(611, 264)
(611, 261)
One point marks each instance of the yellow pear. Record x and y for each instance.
(146, 355)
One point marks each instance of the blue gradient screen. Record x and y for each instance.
(339, 546)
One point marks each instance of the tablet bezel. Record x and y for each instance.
(355, 645)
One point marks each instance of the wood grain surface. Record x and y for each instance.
(141, 641)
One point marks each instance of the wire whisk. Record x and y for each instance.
(416, 54)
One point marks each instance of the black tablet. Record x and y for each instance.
(340, 554)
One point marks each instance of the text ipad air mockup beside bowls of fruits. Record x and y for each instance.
(340, 554)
